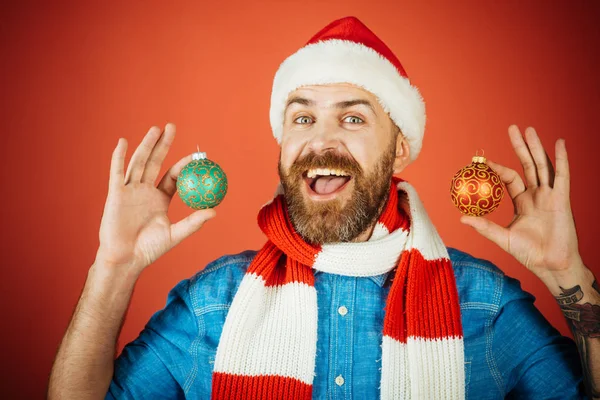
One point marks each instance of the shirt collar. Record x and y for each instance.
(378, 279)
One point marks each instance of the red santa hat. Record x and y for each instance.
(347, 51)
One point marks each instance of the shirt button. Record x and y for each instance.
(343, 311)
(339, 380)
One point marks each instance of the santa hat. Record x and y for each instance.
(347, 51)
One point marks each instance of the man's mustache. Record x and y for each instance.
(326, 160)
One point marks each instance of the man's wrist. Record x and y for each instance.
(111, 282)
(576, 274)
(123, 272)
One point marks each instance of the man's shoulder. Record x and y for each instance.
(216, 283)
(234, 264)
(481, 284)
(463, 260)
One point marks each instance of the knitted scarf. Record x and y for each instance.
(268, 345)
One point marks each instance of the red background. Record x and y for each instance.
(75, 77)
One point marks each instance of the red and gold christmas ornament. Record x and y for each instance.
(476, 189)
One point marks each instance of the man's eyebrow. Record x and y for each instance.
(342, 104)
(298, 100)
(350, 103)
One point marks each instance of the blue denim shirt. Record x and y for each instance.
(511, 351)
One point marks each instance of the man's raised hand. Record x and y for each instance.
(135, 229)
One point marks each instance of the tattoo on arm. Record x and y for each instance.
(584, 321)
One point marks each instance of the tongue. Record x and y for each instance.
(328, 184)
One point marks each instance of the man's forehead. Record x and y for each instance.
(331, 91)
(338, 95)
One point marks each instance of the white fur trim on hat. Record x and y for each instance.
(337, 61)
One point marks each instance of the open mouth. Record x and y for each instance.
(324, 183)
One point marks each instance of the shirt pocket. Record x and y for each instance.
(204, 348)
(211, 320)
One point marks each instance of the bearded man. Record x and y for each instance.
(354, 294)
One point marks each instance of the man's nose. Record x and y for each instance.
(326, 136)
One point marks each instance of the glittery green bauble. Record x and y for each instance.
(202, 184)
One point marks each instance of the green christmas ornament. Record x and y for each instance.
(202, 183)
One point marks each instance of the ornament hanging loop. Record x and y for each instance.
(199, 155)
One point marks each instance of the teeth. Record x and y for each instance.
(324, 172)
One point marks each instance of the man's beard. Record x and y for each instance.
(329, 221)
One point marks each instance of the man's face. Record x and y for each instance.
(337, 158)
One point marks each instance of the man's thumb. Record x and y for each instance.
(190, 224)
(488, 229)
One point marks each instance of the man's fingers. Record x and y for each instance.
(545, 171)
(529, 167)
(117, 165)
(563, 175)
(190, 224)
(168, 183)
(510, 177)
(158, 154)
(489, 230)
(135, 169)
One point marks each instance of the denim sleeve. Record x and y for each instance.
(154, 365)
(534, 360)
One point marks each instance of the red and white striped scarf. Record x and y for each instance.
(268, 346)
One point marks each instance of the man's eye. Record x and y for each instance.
(303, 120)
(353, 119)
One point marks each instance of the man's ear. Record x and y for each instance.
(402, 158)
